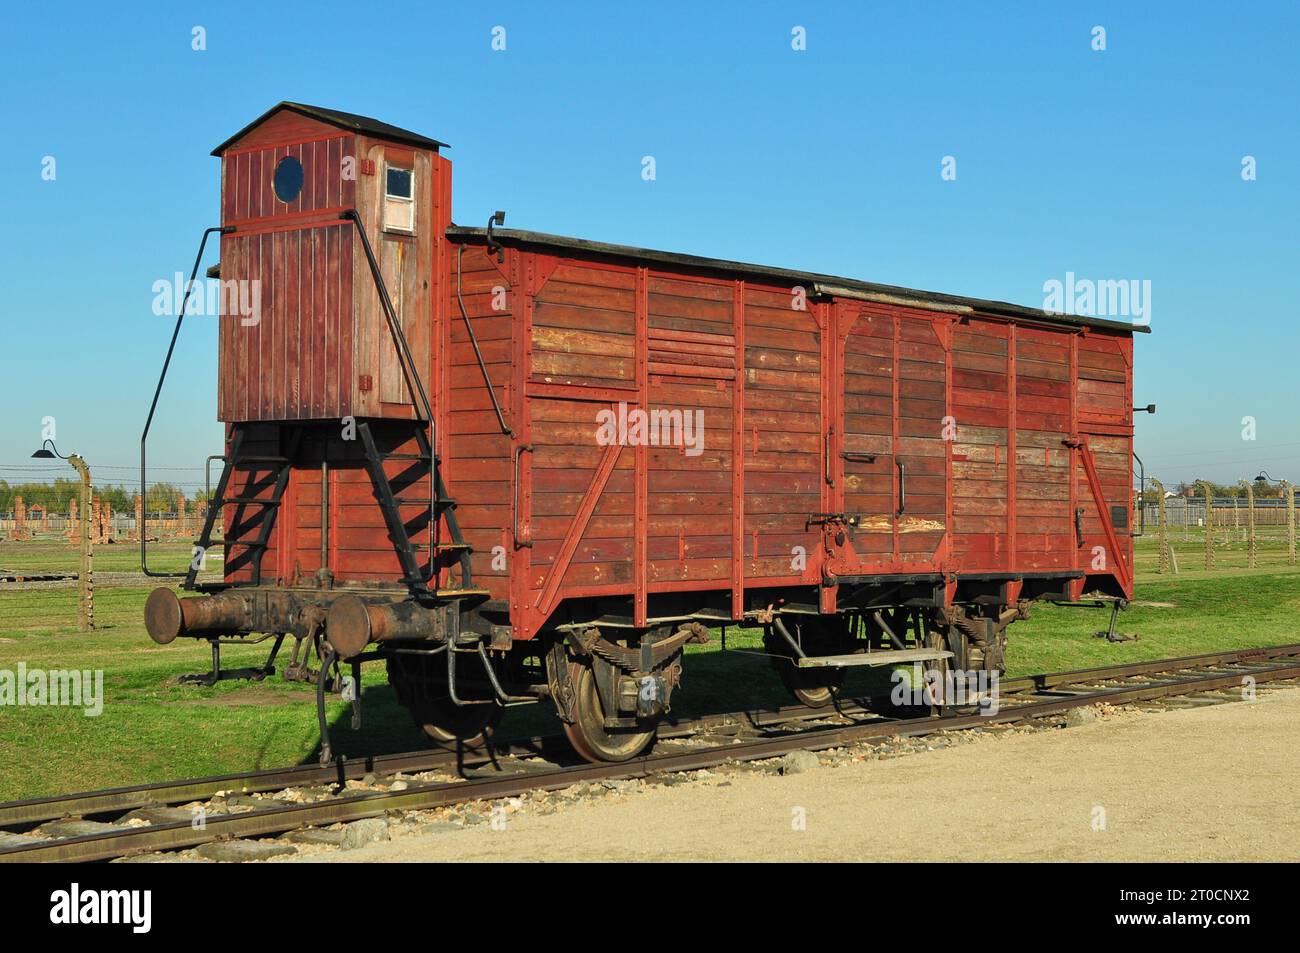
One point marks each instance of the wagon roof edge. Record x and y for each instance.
(343, 120)
(831, 284)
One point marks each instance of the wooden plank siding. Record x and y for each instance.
(817, 417)
(564, 340)
(980, 405)
(1043, 525)
(476, 455)
(294, 359)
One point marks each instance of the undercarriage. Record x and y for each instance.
(456, 669)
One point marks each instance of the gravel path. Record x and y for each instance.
(1212, 783)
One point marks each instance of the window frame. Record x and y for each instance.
(385, 198)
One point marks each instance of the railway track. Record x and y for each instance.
(504, 772)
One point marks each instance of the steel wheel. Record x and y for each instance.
(448, 723)
(423, 693)
(588, 734)
(814, 687)
(934, 639)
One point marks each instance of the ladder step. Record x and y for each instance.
(406, 456)
(445, 504)
(248, 500)
(885, 657)
(250, 543)
(463, 593)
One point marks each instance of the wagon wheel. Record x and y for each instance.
(948, 640)
(447, 723)
(588, 734)
(814, 687)
(967, 657)
(433, 711)
(981, 653)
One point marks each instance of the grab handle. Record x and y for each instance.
(830, 478)
(519, 540)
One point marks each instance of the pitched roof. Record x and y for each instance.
(816, 283)
(348, 121)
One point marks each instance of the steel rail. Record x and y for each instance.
(282, 817)
(123, 799)
(160, 794)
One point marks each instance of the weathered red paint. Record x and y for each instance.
(1042, 410)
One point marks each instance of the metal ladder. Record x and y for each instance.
(268, 507)
(442, 509)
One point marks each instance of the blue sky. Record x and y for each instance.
(1118, 164)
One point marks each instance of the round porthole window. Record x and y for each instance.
(288, 179)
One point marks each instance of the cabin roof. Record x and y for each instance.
(334, 117)
(814, 282)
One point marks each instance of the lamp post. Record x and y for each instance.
(1288, 491)
(86, 583)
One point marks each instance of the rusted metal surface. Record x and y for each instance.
(167, 616)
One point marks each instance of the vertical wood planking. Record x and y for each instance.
(1076, 544)
(829, 316)
(294, 363)
(520, 557)
(1012, 497)
(641, 490)
(950, 413)
(898, 484)
(738, 457)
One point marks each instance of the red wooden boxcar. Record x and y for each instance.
(517, 465)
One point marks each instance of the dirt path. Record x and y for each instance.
(1216, 783)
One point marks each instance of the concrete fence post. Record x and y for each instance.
(1209, 522)
(1162, 528)
(86, 580)
(1251, 559)
(1289, 491)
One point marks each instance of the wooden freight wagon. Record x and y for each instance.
(518, 466)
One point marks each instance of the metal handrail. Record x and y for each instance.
(185, 300)
(478, 353)
(1142, 497)
(411, 372)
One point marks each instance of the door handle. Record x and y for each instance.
(518, 541)
(902, 487)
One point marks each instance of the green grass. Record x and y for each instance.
(154, 728)
(54, 554)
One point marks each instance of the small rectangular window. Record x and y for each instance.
(399, 200)
(399, 183)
